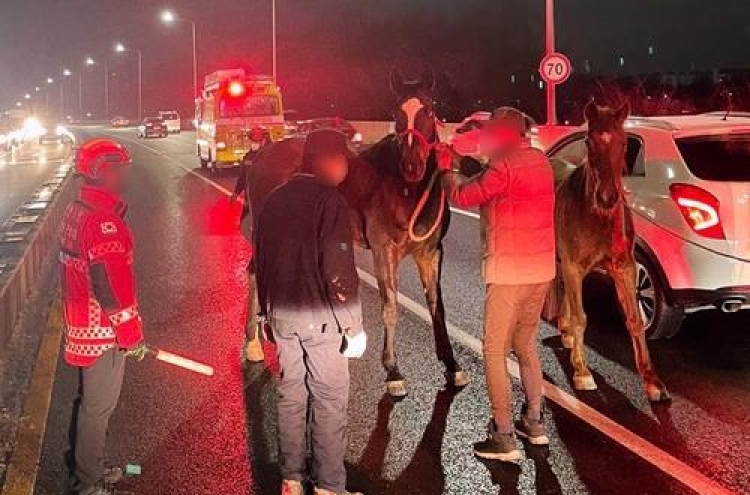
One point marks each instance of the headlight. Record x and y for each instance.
(60, 130)
(221, 145)
(357, 138)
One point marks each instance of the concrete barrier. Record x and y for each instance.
(373, 131)
(26, 242)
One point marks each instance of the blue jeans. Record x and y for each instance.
(314, 373)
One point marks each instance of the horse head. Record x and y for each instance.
(416, 126)
(607, 143)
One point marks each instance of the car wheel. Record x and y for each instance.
(660, 319)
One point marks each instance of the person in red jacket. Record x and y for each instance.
(102, 324)
(516, 197)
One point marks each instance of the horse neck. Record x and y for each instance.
(598, 184)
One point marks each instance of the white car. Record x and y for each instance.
(171, 120)
(688, 185)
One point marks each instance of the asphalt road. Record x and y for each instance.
(198, 435)
(24, 170)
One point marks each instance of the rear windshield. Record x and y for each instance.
(719, 158)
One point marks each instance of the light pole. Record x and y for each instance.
(65, 73)
(273, 35)
(168, 17)
(46, 98)
(87, 63)
(106, 88)
(550, 49)
(120, 48)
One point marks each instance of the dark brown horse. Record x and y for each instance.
(595, 231)
(397, 210)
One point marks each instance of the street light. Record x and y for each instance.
(168, 17)
(65, 73)
(88, 62)
(120, 48)
(18, 104)
(27, 96)
(37, 89)
(50, 80)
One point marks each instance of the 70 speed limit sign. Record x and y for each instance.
(555, 68)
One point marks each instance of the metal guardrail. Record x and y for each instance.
(27, 239)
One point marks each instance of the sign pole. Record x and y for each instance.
(550, 49)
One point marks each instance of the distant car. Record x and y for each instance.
(60, 135)
(152, 127)
(171, 120)
(304, 127)
(120, 122)
(687, 183)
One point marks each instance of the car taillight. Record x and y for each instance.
(700, 209)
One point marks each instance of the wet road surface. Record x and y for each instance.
(24, 170)
(198, 435)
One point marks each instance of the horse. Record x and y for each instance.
(594, 230)
(397, 209)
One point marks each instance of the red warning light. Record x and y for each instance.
(236, 88)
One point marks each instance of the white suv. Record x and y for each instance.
(171, 120)
(688, 185)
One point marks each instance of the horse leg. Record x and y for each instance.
(429, 265)
(566, 334)
(576, 321)
(386, 265)
(625, 280)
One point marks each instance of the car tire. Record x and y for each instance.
(660, 319)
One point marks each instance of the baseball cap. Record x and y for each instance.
(326, 142)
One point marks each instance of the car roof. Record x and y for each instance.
(694, 125)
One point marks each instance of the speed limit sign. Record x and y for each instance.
(555, 68)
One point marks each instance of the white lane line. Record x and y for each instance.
(660, 459)
(465, 213)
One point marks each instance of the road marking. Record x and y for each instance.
(465, 213)
(24, 463)
(660, 459)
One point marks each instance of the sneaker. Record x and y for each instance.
(498, 446)
(112, 475)
(532, 430)
(320, 491)
(291, 487)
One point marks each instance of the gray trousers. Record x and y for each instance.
(313, 372)
(100, 390)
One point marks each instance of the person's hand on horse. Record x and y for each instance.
(445, 157)
(354, 345)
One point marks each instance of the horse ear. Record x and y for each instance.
(623, 112)
(428, 80)
(591, 111)
(396, 82)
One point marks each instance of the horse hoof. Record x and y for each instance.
(658, 393)
(584, 382)
(567, 341)
(396, 388)
(254, 351)
(459, 378)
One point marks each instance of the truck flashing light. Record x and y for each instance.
(236, 88)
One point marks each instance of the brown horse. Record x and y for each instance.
(595, 231)
(397, 209)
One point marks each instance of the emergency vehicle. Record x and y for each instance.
(235, 114)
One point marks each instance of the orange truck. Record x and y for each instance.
(236, 113)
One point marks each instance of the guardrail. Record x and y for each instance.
(27, 239)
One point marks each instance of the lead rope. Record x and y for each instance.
(425, 195)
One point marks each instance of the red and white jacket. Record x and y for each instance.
(98, 286)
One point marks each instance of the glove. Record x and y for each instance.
(138, 352)
(354, 346)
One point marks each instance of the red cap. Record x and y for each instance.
(95, 155)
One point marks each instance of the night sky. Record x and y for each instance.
(335, 55)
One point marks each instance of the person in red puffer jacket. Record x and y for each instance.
(102, 324)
